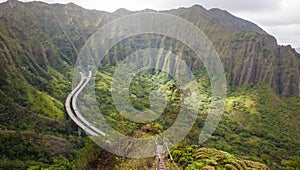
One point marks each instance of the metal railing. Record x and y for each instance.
(160, 157)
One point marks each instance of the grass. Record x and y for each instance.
(46, 105)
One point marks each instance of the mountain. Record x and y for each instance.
(39, 44)
(257, 58)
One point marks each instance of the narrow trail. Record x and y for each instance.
(161, 162)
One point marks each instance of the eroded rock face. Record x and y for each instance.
(52, 35)
(261, 60)
(248, 53)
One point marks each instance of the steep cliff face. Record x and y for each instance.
(255, 58)
(52, 35)
(39, 44)
(248, 53)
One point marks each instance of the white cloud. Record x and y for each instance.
(241, 5)
(285, 14)
(285, 34)
(133, 5)
(283, 23)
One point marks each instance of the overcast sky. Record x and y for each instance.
(280, 18)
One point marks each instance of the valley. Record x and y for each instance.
(39, 46)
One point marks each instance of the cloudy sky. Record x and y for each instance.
(280, 18)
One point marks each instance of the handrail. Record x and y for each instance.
(171, 157)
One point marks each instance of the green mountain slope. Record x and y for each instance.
(248, 53)
(39, 44)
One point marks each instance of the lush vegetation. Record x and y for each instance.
(257, 123)
(39, 44)
(193, 157)
(22, 150)
(260, 125)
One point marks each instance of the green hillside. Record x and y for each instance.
(39, 45)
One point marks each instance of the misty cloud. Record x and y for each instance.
(240, 5)
(286, 34)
